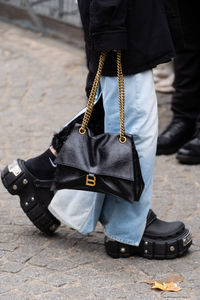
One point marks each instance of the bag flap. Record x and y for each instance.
(100, 155)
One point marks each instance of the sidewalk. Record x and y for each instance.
(42, 84)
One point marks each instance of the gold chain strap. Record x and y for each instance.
(121, 93)
(90, 104)
(93, 93)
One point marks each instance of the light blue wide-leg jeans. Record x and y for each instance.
(123, 221)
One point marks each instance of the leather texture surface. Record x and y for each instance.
(158, 228)
(115, 165)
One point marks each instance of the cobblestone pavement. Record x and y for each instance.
(42, 87)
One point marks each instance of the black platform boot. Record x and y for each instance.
(34, 194)
(161, 240)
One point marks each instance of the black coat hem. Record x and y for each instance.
(132, 70)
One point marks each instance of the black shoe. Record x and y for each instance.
(177, 133)
(34, 194)
(161, 240)
(190, 152)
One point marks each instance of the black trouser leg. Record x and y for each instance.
(186, 99)
(198, 122)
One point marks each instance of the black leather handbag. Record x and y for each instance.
(107, 163)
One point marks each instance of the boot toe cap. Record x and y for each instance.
(164, 230)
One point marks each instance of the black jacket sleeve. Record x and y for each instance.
(108, 24)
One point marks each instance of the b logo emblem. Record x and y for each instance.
(90, 180)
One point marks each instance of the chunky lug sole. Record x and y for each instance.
(151, 248)
(190, 160)
(34, 194)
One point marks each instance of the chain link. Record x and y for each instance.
(93, 93)
(121, 93)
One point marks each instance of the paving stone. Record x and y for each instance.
(59, 279)
(140, 291)
(61, 265)
(34, 288)
(34, 272)
(110, 293)
(11, 267)
(78, 292)
(183, 294)
(112, 279)
(81, 271)
(22, 254)
(51, 296)
(82, 258)
(9, 282)
(7, 247)
(13, 295)
(40, 260)
(8, 237)
(111, 266)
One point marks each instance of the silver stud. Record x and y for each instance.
(25, 181)
(172, 248)
(146, 243)
(32, 198)
(26, 203)
(14, 187)
(123, 250)
(146, 251)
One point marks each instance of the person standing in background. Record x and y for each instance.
(183, 132)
